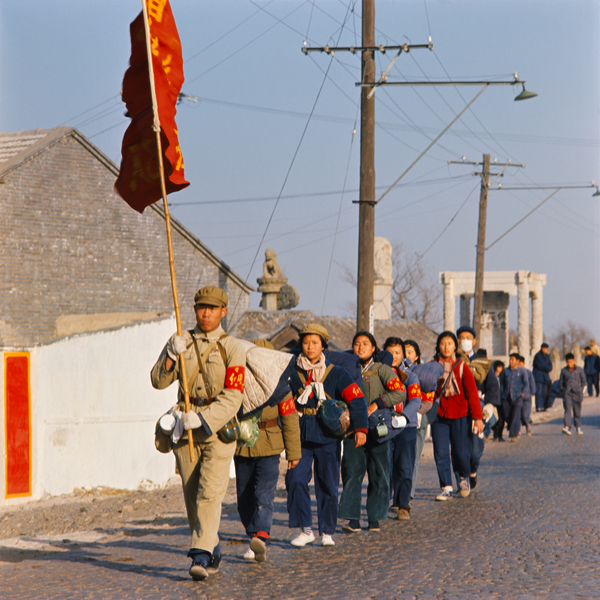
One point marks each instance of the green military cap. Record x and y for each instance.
(315, 329)
(211, 295)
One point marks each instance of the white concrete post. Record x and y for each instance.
(537, 314)
(449, 302)
(523, 318)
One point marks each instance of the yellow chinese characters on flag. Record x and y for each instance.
(138, 182)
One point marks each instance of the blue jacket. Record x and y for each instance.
(515, 383)
(531, 380)
(572, 383)
(338, 385)
(542, 367)
(490, 388)
(591, 364)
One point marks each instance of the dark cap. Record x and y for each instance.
(544, 345)
(211, 295)
(467, 329)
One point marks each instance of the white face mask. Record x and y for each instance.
(466, 345)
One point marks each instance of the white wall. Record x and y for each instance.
(94, 410)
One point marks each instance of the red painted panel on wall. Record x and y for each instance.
(17, 424)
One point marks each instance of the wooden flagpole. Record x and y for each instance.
(156, 127)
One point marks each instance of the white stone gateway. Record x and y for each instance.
(497, 287)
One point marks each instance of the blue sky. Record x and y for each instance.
(62, 63)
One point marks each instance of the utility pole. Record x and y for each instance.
(479, 267)
(366, 223)
(483, 198)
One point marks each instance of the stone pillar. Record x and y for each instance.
(449, 301)
(465, 310)
(523, 327)
(382, 286)
(537, 314)
(556, 359)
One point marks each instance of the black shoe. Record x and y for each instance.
(473, 481)
(374, 526)
(200, 561)
(353, 526)
(213, 564)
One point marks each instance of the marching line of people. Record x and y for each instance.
(363, 412)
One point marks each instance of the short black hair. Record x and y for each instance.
(372, 339)
(394, 341)
(516, 355)
(417, 349)
(544, 345)
(588, 348)
(497, 363)
(569, 355)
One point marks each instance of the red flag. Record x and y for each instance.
(139, 177)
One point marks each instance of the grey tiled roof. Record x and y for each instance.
(15, 143)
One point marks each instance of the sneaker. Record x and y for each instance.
(259, 548)
(528, 430)
(327, 540)
(473, 480)
(394, 508)
(303, 539)
(403, 514)
(353, 526)
(374, 526)
(566, 431)
(579, 432)
(445, 495)
(513, 439)
(464, 490)
(249, 555)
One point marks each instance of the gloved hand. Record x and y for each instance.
(191, 420)
(175, 346)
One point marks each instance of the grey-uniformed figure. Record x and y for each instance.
(215, 367)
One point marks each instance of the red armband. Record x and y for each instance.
(395, 384)
(352, 392)
(286, 407)
(414, 391)
(234, 378)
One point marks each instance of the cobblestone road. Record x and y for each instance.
(529, 530)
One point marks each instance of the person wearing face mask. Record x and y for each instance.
(489, 393)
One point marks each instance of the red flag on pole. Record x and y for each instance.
(138, 182)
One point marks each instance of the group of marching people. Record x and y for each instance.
(350, 414)
(385, 399)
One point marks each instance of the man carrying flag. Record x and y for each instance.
(151, 167)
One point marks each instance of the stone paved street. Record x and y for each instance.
(529, 530)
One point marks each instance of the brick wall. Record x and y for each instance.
(69, 245)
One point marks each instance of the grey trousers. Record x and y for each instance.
(572, 403)
(421, 432)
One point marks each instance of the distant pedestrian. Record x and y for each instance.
(572, 383)
(498, 428)
(591, 368)
(526, 410)
(459, 403)
(542, 367)
(594, 347)
(515, 387)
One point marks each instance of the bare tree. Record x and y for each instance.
(569, 334)
(414, 297)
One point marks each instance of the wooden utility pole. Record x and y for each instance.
(483, 198)
(366, 224)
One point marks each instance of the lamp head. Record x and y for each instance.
(525, 95)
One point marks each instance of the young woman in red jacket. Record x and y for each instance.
(458, 399)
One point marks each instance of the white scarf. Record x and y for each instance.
(318, 371)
